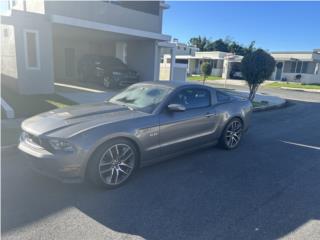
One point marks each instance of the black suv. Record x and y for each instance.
(110, 71)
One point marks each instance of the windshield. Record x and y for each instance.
(142, 97)
(113, 63)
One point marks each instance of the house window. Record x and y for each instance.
(308, 67)
(182, 61)
(298, 68)
(287, 67)
(214, 63)
(293, 67)
(31, 46)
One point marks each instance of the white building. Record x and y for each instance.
(182, 48)
(297, 66)
(222, 62)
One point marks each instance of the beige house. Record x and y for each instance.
(297, 66)
(222, 62)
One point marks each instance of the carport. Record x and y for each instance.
(73, 38)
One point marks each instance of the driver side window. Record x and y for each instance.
(192, 98)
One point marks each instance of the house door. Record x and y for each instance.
(278, 70)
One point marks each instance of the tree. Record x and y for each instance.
(200, 42)
(239, 49)
(218, 45)
(256, 67)
(206, 69)
(223, 45)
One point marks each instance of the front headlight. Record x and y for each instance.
(61, 145)
(24, 136)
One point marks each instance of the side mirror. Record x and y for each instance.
(176, 108)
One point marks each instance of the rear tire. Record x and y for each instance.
(113, 164)
(232, 134)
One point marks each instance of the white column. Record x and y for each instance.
(172, 63)
(156, 76)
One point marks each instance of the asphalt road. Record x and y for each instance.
(265, 189)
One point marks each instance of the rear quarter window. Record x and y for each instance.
(222, 97)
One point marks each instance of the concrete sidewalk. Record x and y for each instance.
(267, 102)
(232, 82)
(235, 82)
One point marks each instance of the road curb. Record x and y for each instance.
(272, 107)
(9, 149)
(301, 89)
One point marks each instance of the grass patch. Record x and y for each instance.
(10, 136)
(28, 105)
(294, 85)
(200, 78)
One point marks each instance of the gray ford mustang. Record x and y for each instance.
(148, 122)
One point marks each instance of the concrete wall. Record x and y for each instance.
(179, 72)
(164, 72)
(212, 54)
(9, 71)
(30, 81)
(217, 72)
(106, 12)
(142, 58)
(296, 55)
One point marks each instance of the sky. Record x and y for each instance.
(275, 26)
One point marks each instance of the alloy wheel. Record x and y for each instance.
(116, 164)
(233, 134)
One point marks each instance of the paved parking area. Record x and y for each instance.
(268, 188)
(81, 93)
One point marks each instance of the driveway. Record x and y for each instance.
(81, 93)
(268, 188)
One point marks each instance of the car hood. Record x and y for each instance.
(124, 71)
(78, 117)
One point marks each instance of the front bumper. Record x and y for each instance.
(126, 81)
(65, 167)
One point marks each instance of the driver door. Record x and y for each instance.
(192, 127)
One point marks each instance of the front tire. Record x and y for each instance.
(113, 164)
(232, 134)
